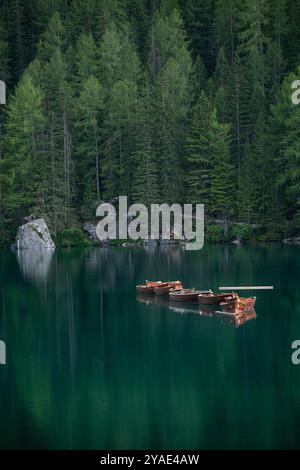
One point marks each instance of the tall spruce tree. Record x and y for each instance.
(146, 174)
(223, 175)
(119, 72)
(23, 168)
(60, 109)
(88, 145)
(198, 17)
(171, 70)
(284, 149)
(199, 162)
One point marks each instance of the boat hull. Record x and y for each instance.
(184, 296)
(150, 286)
(213, 299)
(237, 304)
(165, 290)
(145, 289)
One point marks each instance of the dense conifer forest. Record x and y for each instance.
(160, 100)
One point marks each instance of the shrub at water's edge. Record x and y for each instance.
(73, 237)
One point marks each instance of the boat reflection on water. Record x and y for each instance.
(231, 319)
(247, 315)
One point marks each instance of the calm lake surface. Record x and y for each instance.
(90, 366)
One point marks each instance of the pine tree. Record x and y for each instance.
(43, 11)
(227, 26)
(170, 70)
(4, 49)
(292, 38)
(247, 196)
(276, 59)
(145, 180)
(198, 18)
(264, 183)
(199, 78)
(23, 170)
(84, 17)
(86, 58)
(15, 12)
(223, 176)
(199, 158)
(284, 148)
(59, 105)
(53, 39)
(222, 79)
(120, 80)
(140, 17)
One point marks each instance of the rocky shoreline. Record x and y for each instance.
(35, 235)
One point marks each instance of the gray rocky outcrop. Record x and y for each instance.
(91, 230)
(34, 235)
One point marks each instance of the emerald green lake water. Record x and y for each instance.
(91, 367)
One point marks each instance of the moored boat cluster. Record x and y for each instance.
(231, 304)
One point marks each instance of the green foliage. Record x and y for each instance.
(272, 234)
(223, 178)
(23, 175)
(146, 174)
(214, 233)
(199, 158)
(88, 125)
(291, 229)
(163, 101)
(4, 48)
(6, 235)
(244, 232)
(72, 237)
(199, 16)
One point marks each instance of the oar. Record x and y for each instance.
(247, 288)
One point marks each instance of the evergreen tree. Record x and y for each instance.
(15, 12)
(59, 106)
(222, 79)
(292, 38)
(284, 149)
(4, 49)
(198, 17)
(199, 158)
(114, 104)
(88, 145)
(227, 25)
(84, 17)
(23, 169)
(53, 39)
(146, 180)
(86, 59)
(170, 69)
(223, 176)
(141, 17)
(120, 81)
(278, 32)
(247, 196)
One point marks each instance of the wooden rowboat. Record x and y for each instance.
(236, 304)
(214, 299)
(186, 295)
(148, 288)
(164, 290)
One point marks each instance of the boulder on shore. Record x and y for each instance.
(91, 230)
(34, 235)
